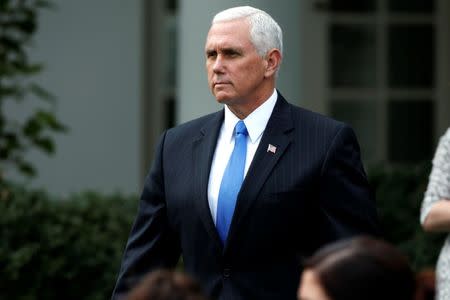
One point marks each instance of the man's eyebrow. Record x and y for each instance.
(225, 50)
(231, 50)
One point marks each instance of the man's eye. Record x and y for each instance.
(232, 54)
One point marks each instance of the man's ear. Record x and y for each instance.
(273, 61)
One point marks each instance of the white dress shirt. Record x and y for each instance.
(256, 123)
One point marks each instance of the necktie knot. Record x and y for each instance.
(240, 128)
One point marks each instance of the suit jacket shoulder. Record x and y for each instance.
(309, 120)
(195, 126)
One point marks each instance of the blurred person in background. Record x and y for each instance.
(360, 268)
(435, 212)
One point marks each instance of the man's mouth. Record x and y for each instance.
(219, 83)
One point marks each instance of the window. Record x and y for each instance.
(382, 75)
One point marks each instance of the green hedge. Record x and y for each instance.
(399, 193)
(71, 248)
(61, 248)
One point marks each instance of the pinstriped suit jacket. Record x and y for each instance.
(311, 191)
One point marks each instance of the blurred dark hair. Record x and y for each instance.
(167, 285)
(363, 268)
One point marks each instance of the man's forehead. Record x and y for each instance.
(221, 44)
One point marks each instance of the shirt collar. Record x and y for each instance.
(255, 122)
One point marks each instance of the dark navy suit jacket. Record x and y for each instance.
(313, 190)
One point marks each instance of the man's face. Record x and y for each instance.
(235, 70)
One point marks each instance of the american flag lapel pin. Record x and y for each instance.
(271, 148)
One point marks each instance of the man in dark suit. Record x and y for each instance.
(247, 192)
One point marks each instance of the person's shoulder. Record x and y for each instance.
(447, 134)
(319, 125)
(308, 118)
(195, 125)
(444, 141)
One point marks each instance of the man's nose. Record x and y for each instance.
(218, 66)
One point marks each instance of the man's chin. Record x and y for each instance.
(223, 98)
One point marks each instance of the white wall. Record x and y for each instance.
(91, 50)
(194, 98)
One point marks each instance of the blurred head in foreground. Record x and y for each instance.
(167, 285)
(357, 268)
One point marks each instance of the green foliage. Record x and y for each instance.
(18, 24)
(399, 192)
(61, 248)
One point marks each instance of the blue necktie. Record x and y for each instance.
(231, 181)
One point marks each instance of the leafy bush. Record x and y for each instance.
(399, 192)
(61, 249)
(19, 23)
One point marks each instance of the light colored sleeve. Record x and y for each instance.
(439, 182)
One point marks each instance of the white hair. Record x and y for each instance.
(265, 33)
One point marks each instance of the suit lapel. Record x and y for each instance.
(275, 134)
(203, 150)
